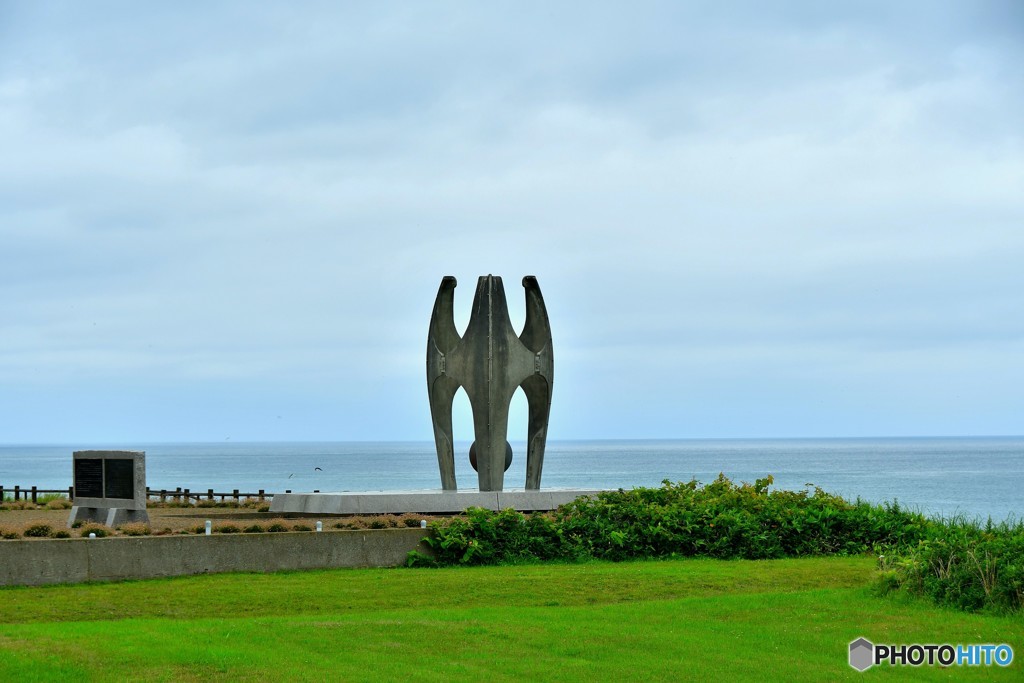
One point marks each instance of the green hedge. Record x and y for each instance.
(720, 519)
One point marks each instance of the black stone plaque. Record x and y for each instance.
(88, 478)
(119, 478)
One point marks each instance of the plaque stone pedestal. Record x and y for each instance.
(107, 516)
(110, 487)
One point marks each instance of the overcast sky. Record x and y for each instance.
(229, 220)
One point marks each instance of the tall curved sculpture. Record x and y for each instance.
(490, 362)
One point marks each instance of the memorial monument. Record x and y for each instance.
(110, 487)
(490, 362)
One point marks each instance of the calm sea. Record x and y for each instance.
(974, 476)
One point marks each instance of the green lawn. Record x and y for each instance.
(670, 620)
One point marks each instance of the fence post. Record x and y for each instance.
(187, 499)
(17, 492)
(261, 494)
(163, 495)
(71, 492)
(235, 495)
(1, 494)
(209, 494)
(35, 496)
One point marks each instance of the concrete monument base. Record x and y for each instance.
(425, 502)
(108, 516)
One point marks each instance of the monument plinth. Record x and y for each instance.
(424, 502)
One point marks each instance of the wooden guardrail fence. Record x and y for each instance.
(32, 493)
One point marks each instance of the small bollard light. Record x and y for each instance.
(92, 534)
(209, 527)
(423, 524)
(319, 526)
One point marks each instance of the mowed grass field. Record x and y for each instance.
(658, 620)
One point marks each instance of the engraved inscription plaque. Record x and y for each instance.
(119, 478)
(89, 478)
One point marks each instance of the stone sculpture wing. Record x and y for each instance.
(536, 337)
(442, 339)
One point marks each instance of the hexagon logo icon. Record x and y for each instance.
(862, 654)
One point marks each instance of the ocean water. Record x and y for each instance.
(979, 477)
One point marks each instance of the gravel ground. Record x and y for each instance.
(173, 520)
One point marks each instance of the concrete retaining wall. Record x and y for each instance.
(34, 563)
(425, 502)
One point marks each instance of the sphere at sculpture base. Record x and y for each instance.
(508, 456)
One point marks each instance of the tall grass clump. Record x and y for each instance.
(44, 499)
(100, 530)
(38, 531)
(963, 564)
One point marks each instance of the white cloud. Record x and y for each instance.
(217, 195)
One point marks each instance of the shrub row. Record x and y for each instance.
(720, 520)
(46, 502)
(42, 530)
(244, 503)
